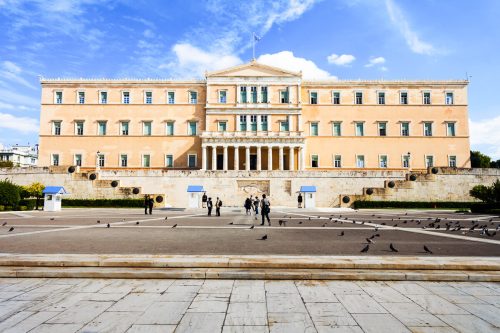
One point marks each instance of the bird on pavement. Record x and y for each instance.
(52, 219)
(393, 249)
(108, 225)
(395, 225)
(324, 225)
(166, 217)
(426, 249)
(264, 237)
(300, 222)
(175, 225)
(372, 236)
(11, 229)
(4, 224)
(98, 221)
(230, 223)
(368, 240)
(366, 248)
(341, 233)
(377, 235)
(309, 219)
(252, 227)
(137, 223)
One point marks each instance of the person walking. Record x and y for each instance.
(265, 209)
(151, 203)
(146, 204)
(209, 206)
(248, 206)
(218, 205)
(256, 204)
(204, 200)
(299, 199)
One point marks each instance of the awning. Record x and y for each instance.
(308, 189)
(54, 190)
(195, 188)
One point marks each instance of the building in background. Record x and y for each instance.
(23, 156)
(254, 117)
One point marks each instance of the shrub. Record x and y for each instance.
(28, 203)
(9, 193)
(489, 194)
(410, 204)
(119, 203)
(6, 164)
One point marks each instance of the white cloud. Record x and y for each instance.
(11, 72)
(340, 60)
(21, 124)
(375, 61)
(286, 60)
(399, 20)
(484, 136)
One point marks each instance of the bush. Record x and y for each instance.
(9, 193)
(410, 204)
(28, 203)
(481, 207)
(123, 203)
(489, 194)
(6, 164)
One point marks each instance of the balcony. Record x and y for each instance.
(253, 134)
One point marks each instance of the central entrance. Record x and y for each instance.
(220, 161)
(253, 161)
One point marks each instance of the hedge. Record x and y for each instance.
(411, 204)
(492, 208)
(127, 203)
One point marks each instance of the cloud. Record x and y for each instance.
(286, 60)
(340, 60)
(11, 72)
(484, 136)
(21, 124)
(375, 61)
(399, 20)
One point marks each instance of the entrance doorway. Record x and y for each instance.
(220, 161)
(253, 162)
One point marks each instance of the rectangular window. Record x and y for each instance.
(243, 123)
(313, 97)
(147, 128)
(314, 161)
(452, 161)
(405, 129)
(314, 129)
(263, 123)
(382, 129)
(101, 161)
(360, 161)
(55, 159)
(58, 97)
(81, 97)
(449, 98)
(170, 128)
(450, 129)
(253, 94)
(337, 161)
(124, 128)
(263, 95)
(382, 161)
(169, 161)
(406, 161)
(192, 161)
(381, 97)
(103, 97)
(284, 96)
(358, 97)
(253, 123)
(171, 97)
(360, 130)
(243, 94)
(336, 97)
(429, 161)
(284, 126)
(148, 97)
(193, 97)
(403, 97)
(427, 98)
(337, 128)
(222, 126)
(123, 160)
(192, 128)
(125, 97)
(223, 96)
(427, 129)
(78, 159)
(146, 161)
(101, 128)
(56, 127)
(79, 127)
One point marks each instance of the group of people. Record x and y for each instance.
(255, 203)
(148, 205)
(208, 203)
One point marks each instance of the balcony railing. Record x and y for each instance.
(242, 134)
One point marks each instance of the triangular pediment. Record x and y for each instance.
(253, 69)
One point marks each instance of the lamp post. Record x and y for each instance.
(97, 167)
(409, 162)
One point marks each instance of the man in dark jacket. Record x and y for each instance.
(299, 199)
(218, 205)
(209, 206)
(146, 204)
(151, 203)
(204, 200)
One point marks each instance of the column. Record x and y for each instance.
(269, 158)
(302, 159)
(204, 161)
(299, 123)
(247, 158)
(292, 158)
(259, 158)
(225, 159)
(236, 157)
(214, 157)
(281, 157)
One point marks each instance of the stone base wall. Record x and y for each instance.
(282, 186)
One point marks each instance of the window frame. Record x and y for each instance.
(423, 97)
(316, 124)
(129, 100)
(407, 97)
(166, 128)
(452, 93)
(56, 131)
(121, 161)
(281, 122)
(143, 165)
(447, 124)
(362, 128)
(356, 97)
(312, 161)
(166, 164)
(335, 161)
(190, 101)
(363, 160)
(189, 128)
(220, 100)
(333, 97)
(432, 160)
(431, 128)
(150, 122)
(195, 160)
(262, 94)
(168, 98)
(379, 129)
(401, 128)
(146, 92)
(403, 160)
(333, 128)
(286, 98)
(450, 159)
(52, 159)
(79, 99)
(378, 97)
(316, 98)
(76, 127)
(99, 122)
(380, 161)
(103, 164)
(100, 97)
(219, 123)
(75, 161)
(58, 100)
(122, 122)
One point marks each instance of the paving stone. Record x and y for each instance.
(119, 286)
(135, 302)
(183, 288)
(59, 302)
(163, 313)
(408, 288)
(152, 286)
(201, 322)
(463, 299)
(411, 314)
(315, 291)
(248, 291)
(440, 288)
(468, 323)
(82, 312)
(5, 295)
(329, 314)
(245, 329)
(91, 286)
(31, 322)
(216, 287)
(493, 300)
(246, 314)
(188, 282)
(385, 294)
(14, 319)
(290, 323)
(104, 297)
(209, 303)
(360, 304)
(152, 329)
(59, 328)
(339, 329)
(345, 288)
(8, 308)
(486, 312)
(280, 287)
(111, 322)
(177, 297)
(377, 323)
(476, 289)
(285, 303)
(436, 305)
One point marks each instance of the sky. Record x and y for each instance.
(329, 39)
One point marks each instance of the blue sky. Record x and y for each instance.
(345, 39)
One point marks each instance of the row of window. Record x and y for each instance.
(381, 97)
(123, 158)
(126, 98)
(382, 161)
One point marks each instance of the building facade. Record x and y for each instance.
(254, 117)
(22, 156)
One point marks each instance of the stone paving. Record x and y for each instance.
(98, 305)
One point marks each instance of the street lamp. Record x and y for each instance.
(409, 161)
(97, 160)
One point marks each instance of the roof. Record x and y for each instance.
(308, 189)
(271, 70)
(195, 188)
(54, 190)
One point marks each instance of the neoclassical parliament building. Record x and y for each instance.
(253, 117)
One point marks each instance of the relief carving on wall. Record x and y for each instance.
(254, 187)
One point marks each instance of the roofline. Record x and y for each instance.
(251, 63)
(384, 82)
(120, 81)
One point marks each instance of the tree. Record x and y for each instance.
(495, 164)
(9, 193)
(35, 190)
(6, 164)
(478, 160)
(489, 194)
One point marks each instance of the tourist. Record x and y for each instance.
(299, 199)
(146, 204)
(256, 203)
(248, 206)
(204, 200)
(218, 205)
(265, 209)
(209, 206)
(151, 203)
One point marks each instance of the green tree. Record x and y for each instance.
(489, 194)
(35, 190)
(495, 164)
(479, 160)
(9, 193)
(6, 164)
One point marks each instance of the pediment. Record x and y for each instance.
(253, 69)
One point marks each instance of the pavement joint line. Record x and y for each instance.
(103, 225)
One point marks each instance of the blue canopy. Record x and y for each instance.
(54, 190)
(195, 188)
(308, 189)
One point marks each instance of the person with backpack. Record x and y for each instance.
(218, 205)
(265, 209)
(209, 206)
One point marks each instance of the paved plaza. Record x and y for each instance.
(292, 232)
(95, 305)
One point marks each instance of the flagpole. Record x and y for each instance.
(253, 46)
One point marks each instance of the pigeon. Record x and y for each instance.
(230, 223)
(309, 219)
(108, 225)
(175, 225)
(363, 222)
(300, 222)
(395, 225)
(377, 235)
(366, 248)
(426, 249)
(52, 219)
(166, 217)
(324, 225)
(406, 213)
(368, 240)
(264, 237)
(372, 236)
(98, 221)
(341, 233)
(4, 224)
(487, 232)
(11, 229)
(393, 249)
(252, 227)
(137, 223)
(376, 229)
